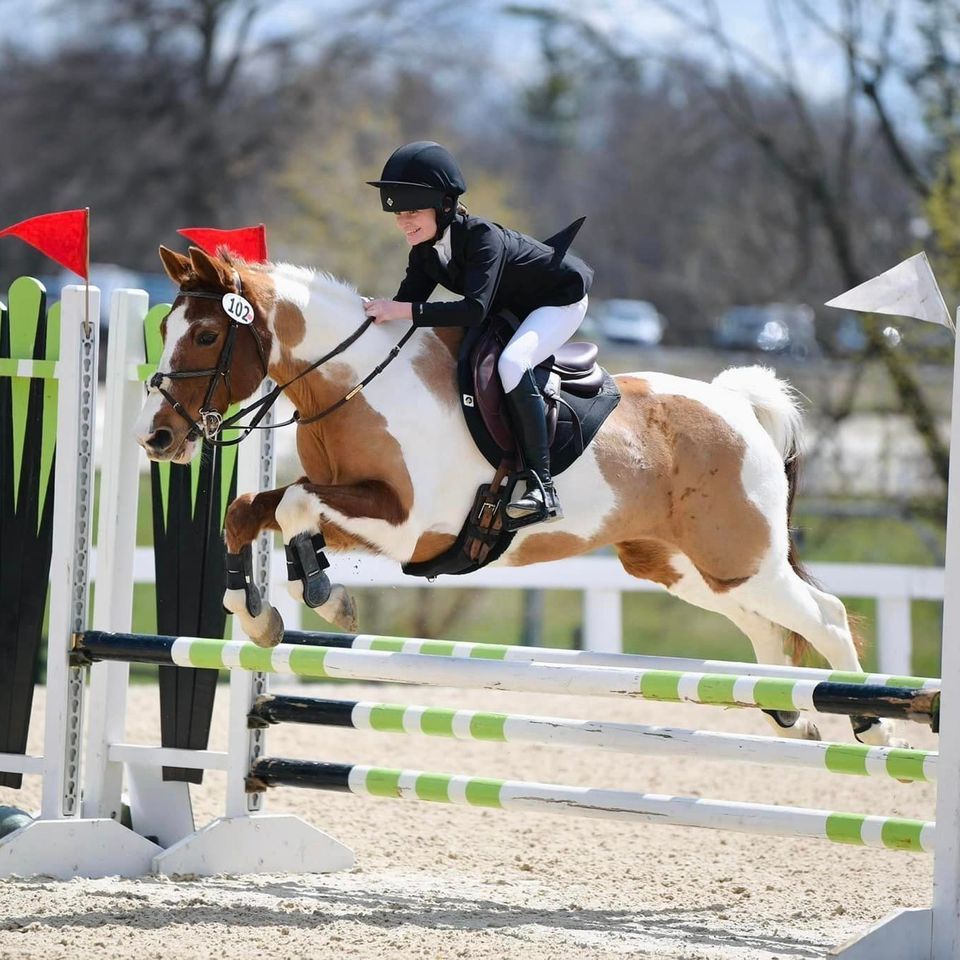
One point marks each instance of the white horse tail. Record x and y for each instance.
(775, 403)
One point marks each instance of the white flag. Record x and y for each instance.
(907, 290)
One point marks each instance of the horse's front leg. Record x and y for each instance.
(301, 514)
(246, 517)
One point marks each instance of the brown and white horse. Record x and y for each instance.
(691, 482)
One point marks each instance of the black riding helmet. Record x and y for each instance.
(418, 176)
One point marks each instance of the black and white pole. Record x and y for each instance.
(855, 759)
(320, 663)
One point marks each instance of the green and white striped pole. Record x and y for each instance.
(844, 758)
(766, 693)
(892, 833)
(521, 654)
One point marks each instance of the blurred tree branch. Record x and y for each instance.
(824, 178)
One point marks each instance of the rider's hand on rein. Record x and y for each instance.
(383, 311)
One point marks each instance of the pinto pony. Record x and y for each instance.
(690, 482)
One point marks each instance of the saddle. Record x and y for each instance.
(570, 381)
(579, 395)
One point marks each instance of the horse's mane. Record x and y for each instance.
(288, 277)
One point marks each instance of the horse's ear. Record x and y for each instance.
(210, 269)
(176, 265)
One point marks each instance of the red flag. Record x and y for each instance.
(60, 236)
(249, 243)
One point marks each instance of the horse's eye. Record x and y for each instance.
(206, 338)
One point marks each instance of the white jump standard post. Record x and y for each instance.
(60, 843)
(910, 289)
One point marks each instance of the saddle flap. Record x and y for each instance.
(487, 390)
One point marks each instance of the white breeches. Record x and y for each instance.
(544, 331)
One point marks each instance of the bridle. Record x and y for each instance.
(211, 423)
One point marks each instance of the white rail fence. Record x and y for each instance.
(603, 583)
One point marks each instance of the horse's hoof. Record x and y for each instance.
(876, 732)
(810, 731)
(272, 628)
(342, 609)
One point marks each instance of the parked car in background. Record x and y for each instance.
(781, 328)
(630, 321)
(846, 335)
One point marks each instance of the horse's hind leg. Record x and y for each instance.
(820, 618)
(246, 517)
(769, 641)
(683, 580)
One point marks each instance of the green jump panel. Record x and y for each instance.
(28, 436)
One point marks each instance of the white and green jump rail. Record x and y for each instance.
(521, 654)
(844, 758)
(891, 833)
(318, 662)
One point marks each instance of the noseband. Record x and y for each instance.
(211, 422)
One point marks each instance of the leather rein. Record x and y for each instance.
(211, 422)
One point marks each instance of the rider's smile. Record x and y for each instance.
(417, 225)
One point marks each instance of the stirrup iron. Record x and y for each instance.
(547, 505)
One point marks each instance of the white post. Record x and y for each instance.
(290, 610)
(946, 870)
(72, 523)
(256, 470)
(116, 543)
(920, 933)
(60, 843)
(894, 636)
(602, 621)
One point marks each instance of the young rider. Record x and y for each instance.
(493, 268)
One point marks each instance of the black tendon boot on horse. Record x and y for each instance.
(527, 412)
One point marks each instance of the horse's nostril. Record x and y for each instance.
(160, 440)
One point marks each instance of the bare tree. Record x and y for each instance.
(156, 113)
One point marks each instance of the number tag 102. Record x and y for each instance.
(237, 308)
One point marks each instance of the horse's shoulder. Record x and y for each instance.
(436, 362)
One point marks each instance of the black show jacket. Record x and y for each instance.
(493, 268)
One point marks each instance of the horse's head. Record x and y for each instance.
(216, 348)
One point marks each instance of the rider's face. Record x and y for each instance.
(417, 225)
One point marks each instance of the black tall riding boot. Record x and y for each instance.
(529, 417)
